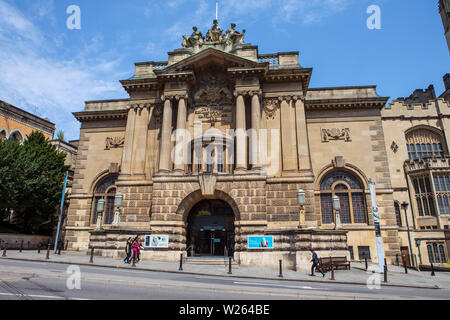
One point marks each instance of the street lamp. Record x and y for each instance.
(336, 208)
(405, 208)
(301, 198)
(117, 204)
(100, 209)
(418, 241)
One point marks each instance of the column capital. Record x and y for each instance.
(140, 106)
(288, 98)
(247, 92)
(174, 96)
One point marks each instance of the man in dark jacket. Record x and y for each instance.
(315, 261)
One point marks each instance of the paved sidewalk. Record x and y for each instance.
(358, 275)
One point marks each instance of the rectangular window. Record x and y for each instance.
(441, 151)
(447, 182)
(441, 179)
(419, 207)
(429, 151)
(422, 186)
(446, 206)
(364, 252)
(435, 150)
(416, 186)
(427, 184)
(436, 183)
(419, 151)
(432, 208)
(359, 214)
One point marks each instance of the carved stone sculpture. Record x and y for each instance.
(196, 39)
(234, 37)
(215, 34)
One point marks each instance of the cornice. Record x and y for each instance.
(133, 85)
(347, 103)
(86, 116)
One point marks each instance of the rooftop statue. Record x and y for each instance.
(215, 34)
(196, 39)
(233, 36)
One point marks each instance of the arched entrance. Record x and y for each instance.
(210, 229)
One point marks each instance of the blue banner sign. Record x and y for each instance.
(260, 242)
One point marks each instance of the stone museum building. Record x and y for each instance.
(220, 143)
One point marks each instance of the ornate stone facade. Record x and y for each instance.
(229, 134)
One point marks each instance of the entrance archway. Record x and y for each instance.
(210, 229)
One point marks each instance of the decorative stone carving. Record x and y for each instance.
(270, 108)
(213, 114)
(213, 91)
(215, 34)
(114, 142)
(234, 37)
(336, 134)
(196, 39)
(207, 183)
(394, 147)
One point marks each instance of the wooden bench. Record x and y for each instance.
(338, 262)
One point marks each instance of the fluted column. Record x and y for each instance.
(164, 150)
(180, 151)
(256, 126)
(241, 139)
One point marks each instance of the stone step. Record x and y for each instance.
(210, 261)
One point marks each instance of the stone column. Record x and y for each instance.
(241, 139)
(302, 136)
(256, 126)
(180, 151)
(128, 145)
(140, 140)
(288, 141)
(166, 131)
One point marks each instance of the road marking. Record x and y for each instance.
(39, 296)
(273, 285)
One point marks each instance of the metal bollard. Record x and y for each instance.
(134, 260)
(404, 265)
(28, 245)
(92, 255)
(4, 249)
(39, 247)
(59, 250)
(48, 252)
(385, 273)
(432, 270)
(397, 261)
(385, 263)
(281, 269)
(332, 271)
(21, 246)
(67, 245)
(367, 264)
(229, 266)
(181, 262)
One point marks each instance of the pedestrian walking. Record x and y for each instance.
(139, 248)
(315, 261)
(128, 250)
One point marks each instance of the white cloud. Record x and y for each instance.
(32, 78)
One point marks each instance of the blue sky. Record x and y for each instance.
(47, 69)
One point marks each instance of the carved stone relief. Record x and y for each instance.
(336, 134)
(114, 142)
(270, 108)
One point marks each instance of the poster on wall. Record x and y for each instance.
(157, 241)
(260, 242)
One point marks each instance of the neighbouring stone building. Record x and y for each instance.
(213, 145)
(444, 10)
(17, 124)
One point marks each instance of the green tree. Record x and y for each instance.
(34, 182)
(60, 135)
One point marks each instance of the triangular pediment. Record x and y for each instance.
(210, 56)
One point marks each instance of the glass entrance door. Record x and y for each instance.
(210, 228)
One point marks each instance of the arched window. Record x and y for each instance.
(430, 253)
(423, 143)
(16, 136)
(106, 190)
(351, 194)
